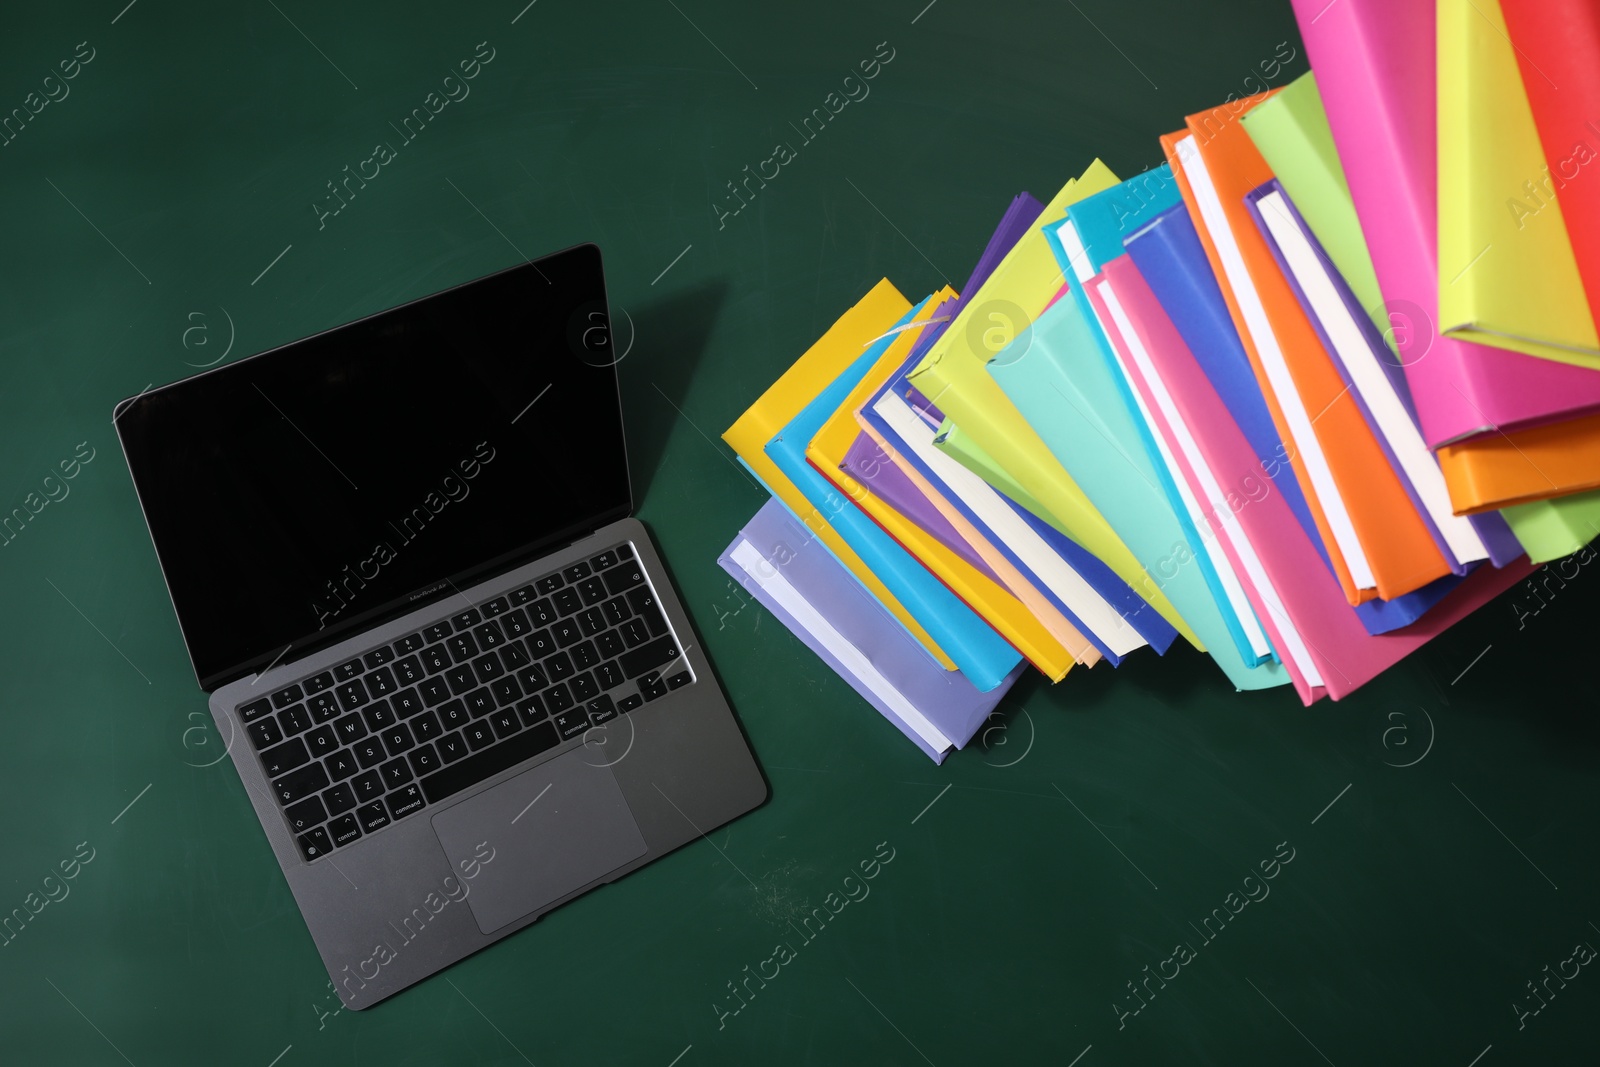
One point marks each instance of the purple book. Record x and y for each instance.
(795, 577)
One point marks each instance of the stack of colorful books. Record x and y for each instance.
(1303, 397)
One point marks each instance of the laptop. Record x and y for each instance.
(446, 661)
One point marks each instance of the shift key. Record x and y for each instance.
(648, 656)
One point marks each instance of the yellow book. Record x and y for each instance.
(1507, 275)
(992, 602)
(953, 377)
(846, 339)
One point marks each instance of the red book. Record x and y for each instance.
(1558, 51)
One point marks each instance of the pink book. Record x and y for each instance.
(1313, 629)
(1374, 61)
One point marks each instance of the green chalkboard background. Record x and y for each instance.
(162, 213)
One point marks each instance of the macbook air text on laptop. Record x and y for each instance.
(449, 662)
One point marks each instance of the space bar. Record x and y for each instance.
(491, 761)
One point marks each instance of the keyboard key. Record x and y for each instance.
(409, 644)
(498, 606)
(616, 610)
(542, 612)
(628, 703)
(506, 691)
(346, 671)
(284, 697)
(351, 728)
(548, 584)
(480, 702)
(523, 595)
(255, 709)
(368, 786)
(532, 678)
(592, 590)
(516, 623)
(652, 686)
(462, 647)
(434, 691)
(322, 742)
(557, 698)
(379, 715)
(285, 757)
(625, 551)
(380, 683)
(378, 657)
(575, 572)
(306, 814)
(352, 694)
(591, 621)
(644, 605)
(396, 773)
(508, 753)
(531, 710)
(583, 687)
(397, 739)
(264, 734)
(478, 735)
(505, 722)
(603, 561)
(315, 844)
(409, 671)
(487, 667)
(403, 802)
(324, 707)
(571, 723)
(461, 678)
(566, 632)
(584, 654)
(679, 680)
(625, 576)
(610, 644)
(435, 659)
(601, 710)
(634, 632)
(452, 747)
(454, 715)
(369, 752)
(541, 644)
(559, 666)
(373, 816)
(341, 765)
(426, 726)
(648, 656)
(465, 620)
(341, 798)
(318, 682)
(295, 720)
(407, 703)
(489, 635)
(514, 656)
(344, 830)
(297, 785)
(567, 601)
(437, 632)
(424, 760)
(609, 675)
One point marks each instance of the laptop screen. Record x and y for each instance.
(303, 493)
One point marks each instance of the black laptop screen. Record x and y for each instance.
(299, 494)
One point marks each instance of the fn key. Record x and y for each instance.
(314, 845)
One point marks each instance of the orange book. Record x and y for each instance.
(1497, 470)
(1364, 509)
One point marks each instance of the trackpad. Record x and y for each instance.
(553, 829)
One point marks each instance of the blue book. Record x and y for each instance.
(1168, 252)
(980, 653)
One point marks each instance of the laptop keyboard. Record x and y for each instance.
(408, 724)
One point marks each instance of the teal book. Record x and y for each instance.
(980, 653)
